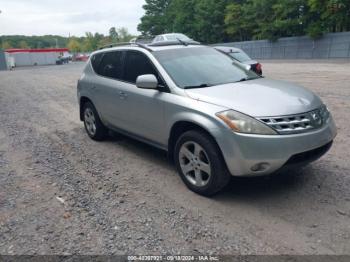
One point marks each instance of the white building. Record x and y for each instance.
(30, 57)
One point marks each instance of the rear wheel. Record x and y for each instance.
(200, 164)
(92, 122)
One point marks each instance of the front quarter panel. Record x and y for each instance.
(182, 108)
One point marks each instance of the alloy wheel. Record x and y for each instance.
(90, 121)
(195, 164)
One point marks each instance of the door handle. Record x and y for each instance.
(122, 95)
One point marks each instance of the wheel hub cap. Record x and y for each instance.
(90, 121)
(195, 164)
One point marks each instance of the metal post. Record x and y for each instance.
(330, 47)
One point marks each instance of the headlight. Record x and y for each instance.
(325, 114)
(241, 123)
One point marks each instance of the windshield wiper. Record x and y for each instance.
(197, 86)
(247, 79)
(182, 42)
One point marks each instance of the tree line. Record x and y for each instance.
(87, 43)
(213, 21)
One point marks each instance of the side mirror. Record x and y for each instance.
(147, 82)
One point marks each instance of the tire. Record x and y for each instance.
(92, 122)
(200, 164)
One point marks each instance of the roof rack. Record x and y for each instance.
(175, 42)
(126, 44)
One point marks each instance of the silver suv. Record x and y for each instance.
(214, 117)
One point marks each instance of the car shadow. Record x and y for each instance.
(244, 189)
(265, 187)
(141, 149)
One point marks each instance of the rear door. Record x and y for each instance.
(106, 89)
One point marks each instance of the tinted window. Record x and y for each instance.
(137, 64)
(111, 65)
(96, 60)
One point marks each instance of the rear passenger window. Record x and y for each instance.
(137, 64)
(96, 60)
(111, 65)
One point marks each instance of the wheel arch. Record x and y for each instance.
(180, 127)
(82, 102)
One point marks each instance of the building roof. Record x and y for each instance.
(44, 50)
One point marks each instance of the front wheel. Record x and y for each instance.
(92, 122)
(200, 164)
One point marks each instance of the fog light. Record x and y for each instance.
(260, 167)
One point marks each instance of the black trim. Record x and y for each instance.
(162, 88)
(309, 156)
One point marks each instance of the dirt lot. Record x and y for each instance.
(61, 193)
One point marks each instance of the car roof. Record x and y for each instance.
(149, 47)
(171, 34)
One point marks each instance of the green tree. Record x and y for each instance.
(113, 34)
(328, 16)
(124, 35)
(23, 44)
(209, 16)
(6, 45)
(289, 17)
(105, 41)
(154, 22)
(266, 19)
(234, 22)
(92, 41)
(180, 17)
(74, 45)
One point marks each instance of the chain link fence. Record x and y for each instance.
(332, 45)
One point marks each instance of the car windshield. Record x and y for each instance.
(240, 56)
(174, 37)
(201, 67)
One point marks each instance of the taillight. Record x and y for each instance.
(258, 67)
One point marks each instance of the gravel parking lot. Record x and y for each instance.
(61, 193)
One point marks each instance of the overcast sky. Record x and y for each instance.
(64, 17)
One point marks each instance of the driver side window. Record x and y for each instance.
(137, 64)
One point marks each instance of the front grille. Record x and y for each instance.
(294, 124)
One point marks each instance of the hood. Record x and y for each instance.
(260, 97)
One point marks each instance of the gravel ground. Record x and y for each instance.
(61, 193)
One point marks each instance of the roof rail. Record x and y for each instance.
(126, 44)
(174, 42)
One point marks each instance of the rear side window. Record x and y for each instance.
(111, 65)
(137, 64)
(96, 60)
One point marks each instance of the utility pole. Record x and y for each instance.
(1, 37)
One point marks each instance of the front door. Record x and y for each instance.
(142, 109)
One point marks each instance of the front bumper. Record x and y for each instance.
(256, 155)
